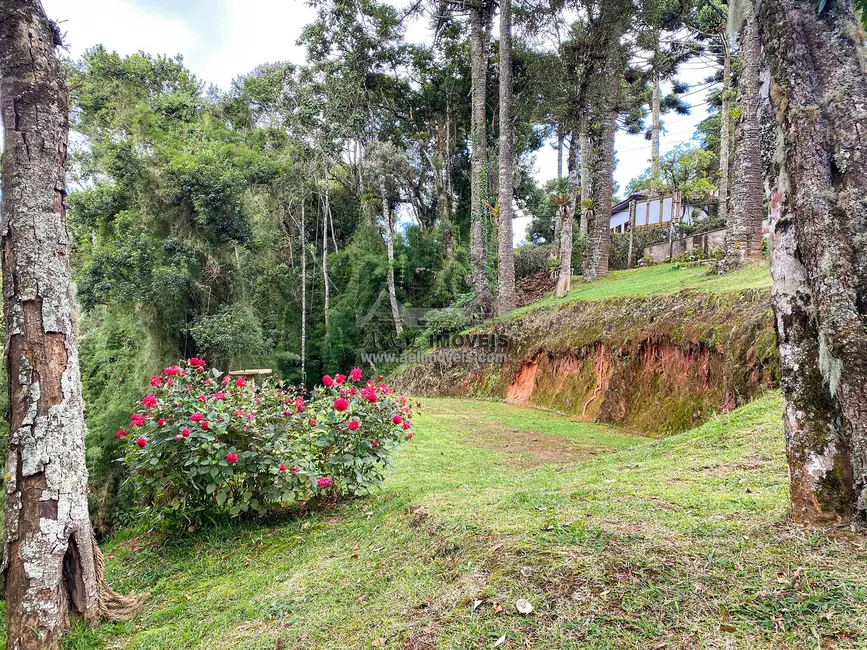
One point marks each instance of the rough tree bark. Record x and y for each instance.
(479, 16)
(744, 225)
(598, 230)
(819, 252)
(585, 181)
(506, 294)
(388, 219)
(52, 565)
(655, 129)
(725, 130)
(564, 271)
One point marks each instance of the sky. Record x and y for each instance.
(222, 39)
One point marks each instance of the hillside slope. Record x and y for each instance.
(657, 350)
(613, 544)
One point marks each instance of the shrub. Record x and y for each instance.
(205, 444)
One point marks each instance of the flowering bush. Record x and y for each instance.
(205, 443)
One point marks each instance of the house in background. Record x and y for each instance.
(656, 211)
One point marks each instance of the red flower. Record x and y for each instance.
(169, 382)
(202, 399)
(299, 404)
(282, 467)
(355, 374)
(410, 435)
(197, 417)
(226, 380)
(195, 362)
(295, 470)
(142, 443)
(339, 379)
(340, 404)
(327, 381)
(185, 433)
(206, 426)
(369, 394)
(155, 381)
(219, 418)
(238, 413)
(374, 443)
(353, 391)
(120, 433)
(325, 481)
(241, 382)
(231, 458)
(149, 401)
(397, 419)
(161, 422)
(354, 425)
(312, 423)
(219, 396)
(407, 425)
(137, 419)
(286, 414)
(171, 372)
(177, 437)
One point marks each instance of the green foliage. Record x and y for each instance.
(229, 336)
(619, 249)
(533, 259)
(204, 444)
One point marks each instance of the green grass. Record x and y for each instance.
(660, 279)
(628, 543)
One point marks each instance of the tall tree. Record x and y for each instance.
(564, 272)
(818, 214)
(480, 18)
(744, 224)
(506, 295)
(52, 565)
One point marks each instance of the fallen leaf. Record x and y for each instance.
(727, 627)
(500, 641)
(476, 604)
(497, 608)
(496, 547)
(526, 571)
(524, 606)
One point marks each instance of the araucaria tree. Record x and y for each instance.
(818, 209)
(506, 294)
(52, 566)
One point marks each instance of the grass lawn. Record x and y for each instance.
(660, 279)
(616, 541)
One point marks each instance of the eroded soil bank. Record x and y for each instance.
(659, 364)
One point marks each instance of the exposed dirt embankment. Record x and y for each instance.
(659, 365)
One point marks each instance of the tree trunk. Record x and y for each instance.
(506, 296)
(303, 237)
(479, 169)
(585, 181)
(724, 130)
(325, 220)
(564, 272)
(559, 153)
(389, 243)
(599, 233)
(744, 225)
(52, 565)
(655, 129)
(631, 233)
(819, 253)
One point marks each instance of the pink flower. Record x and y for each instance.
(355, 374)
(171, 372)
(340, 404)
(353, 391)
(155, 381)
(238, 413)
(149, 401)
(374, 443)
(185, 433)
(312, 423)
(202, 399)
(410, 435)
(295, 470)
(121, 433)
(161, 422)
(142, 443)
(369, 394)
(197, 417)
(325, 481)
(137, 419)
(219, 418)
(231, 458)
(407, 425)
(354, 425)
(170, 382)
(282, 467)
(226, 380)
(299, 404)
(397, 419)
(177, 437)
(219, 396)
(286, 414)
(339, 379)
(240, 382)
(327, 381)
(206, 426)
(195, 362)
